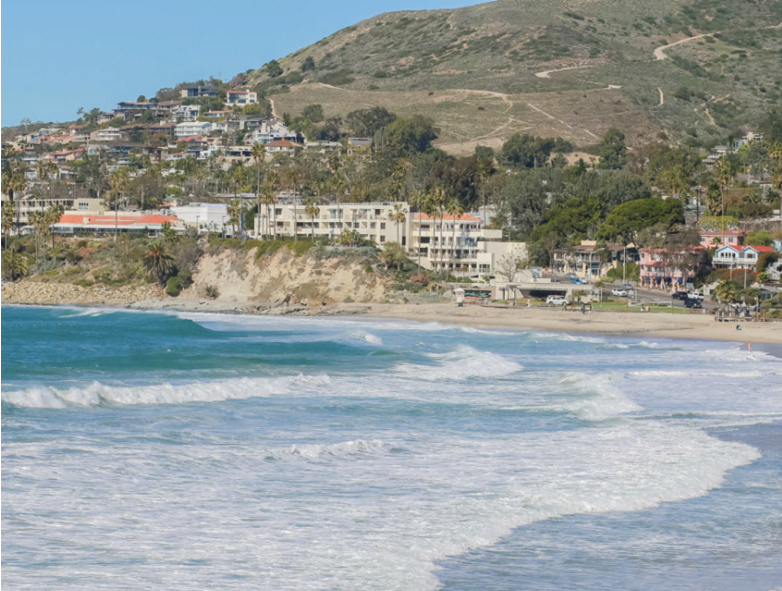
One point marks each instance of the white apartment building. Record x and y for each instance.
(210, 217)
(449, 243)
(270, 131)
(110, 134)
(189, 128)
(371, 220)
(463, 249)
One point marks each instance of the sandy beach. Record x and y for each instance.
(651, 324)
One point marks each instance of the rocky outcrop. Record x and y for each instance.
(35, 292)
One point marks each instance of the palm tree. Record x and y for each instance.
(293, 176)
(439, 200)
(272, 182)
(483, 172)
(311, 209)
(234, 210)
(37, 220)
(454, 207)
(398, 216)
(258, 154)
(158, 262)
(14, 178)
(725, 172)
(14, 265)
(118, 181)
(776, 180)
(419, 200)
(8, 220)
(53, 216)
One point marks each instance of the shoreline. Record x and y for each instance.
(765, 337)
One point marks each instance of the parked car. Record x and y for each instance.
(627, 286)
(695, 295)
(679, 295)
(692, 304)
(577, 281)
(570, 276)
(619, 292)
(556, 301)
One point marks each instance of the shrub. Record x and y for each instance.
(211, 292)
(73, 271)
(173, 287)
(52, 272)
(348, 300)
(368, 268)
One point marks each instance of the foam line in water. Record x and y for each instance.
(166, 393)
(462, 363)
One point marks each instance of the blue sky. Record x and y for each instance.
(59, 55)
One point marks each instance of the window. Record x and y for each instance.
(377, 212)
(382, 225)
(382, 239)
(83, 205)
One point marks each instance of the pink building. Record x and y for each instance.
(722, 238)
(667, 270)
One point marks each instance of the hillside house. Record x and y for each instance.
(668, 270)
(190, 128)
(712, 239)
(197, 92)
(241, 98)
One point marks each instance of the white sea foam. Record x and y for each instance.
(462, 363)
(367, 337)
(599, 397)
(166, 393)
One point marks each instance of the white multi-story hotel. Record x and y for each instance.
(371, 220)
(449, 243)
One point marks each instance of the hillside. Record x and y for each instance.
(569, 68)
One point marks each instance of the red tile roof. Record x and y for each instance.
(120, 220)
(760, 248)
(283, 144)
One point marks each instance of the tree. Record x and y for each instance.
(394, 256)
(14, 265)
(398, 216)
(727, 291)
(313, 113)
(438, 200)
(158, 262)
(414, 133)
(293, 176)
(52, 217)
(366, 122)
(455, 209)
(308, 64)
(420, 200)
(508, 265)
(273, 69)
(311, 209)
(627, 219)
(613, 151)
(760, 238)
(9, 210)
(525, 151)
(234, 210)
(258, 154)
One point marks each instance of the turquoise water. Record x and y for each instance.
(194, 451)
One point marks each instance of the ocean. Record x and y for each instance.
(186, 451)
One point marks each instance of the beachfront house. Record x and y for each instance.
(739, 257)
(669, 270)
(591, 259)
